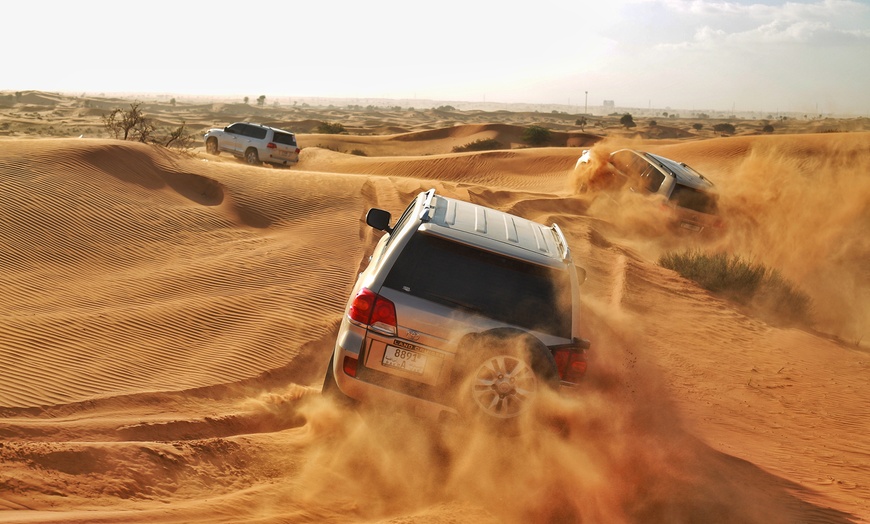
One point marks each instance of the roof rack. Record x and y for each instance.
(561, 241)
(427, 206)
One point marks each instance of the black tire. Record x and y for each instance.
(330, 388)
(211, 146)
(252, 157)
(499, 374)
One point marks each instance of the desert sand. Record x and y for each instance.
(167, 319)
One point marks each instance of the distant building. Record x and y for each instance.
(609, 104)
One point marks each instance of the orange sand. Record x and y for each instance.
(167, 321)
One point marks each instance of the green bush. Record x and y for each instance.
(536, 135)
(482, 144)
(328, 128)
(742, 281)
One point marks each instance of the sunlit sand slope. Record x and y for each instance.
(166, 323)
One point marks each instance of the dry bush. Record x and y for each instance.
(481, 144)
(744, 282)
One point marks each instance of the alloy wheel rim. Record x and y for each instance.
(503, 386)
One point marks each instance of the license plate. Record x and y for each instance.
(404, 359)
(690, 226)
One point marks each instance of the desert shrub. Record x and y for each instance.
(718, 273)
(130, 124)
(726, 128)
(536, 135)
(697, 127)
(358, 152)
(742, 281)
(627, 121)
(481, 144)
(177, 138)
(767, 129)
(329, 128)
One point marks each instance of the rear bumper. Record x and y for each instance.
(374, 394)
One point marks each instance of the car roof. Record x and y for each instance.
(494, 230)
(684, 174)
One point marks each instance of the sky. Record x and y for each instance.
(810, 56)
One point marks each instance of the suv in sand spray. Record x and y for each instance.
(463, 310)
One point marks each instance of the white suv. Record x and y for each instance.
(690, 198)
(462, 310)
(254, 142)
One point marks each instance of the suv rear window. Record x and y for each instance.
(504, 289)
(694, 199)
(284, 138)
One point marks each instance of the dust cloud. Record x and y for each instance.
(614, 451)
(802, 208)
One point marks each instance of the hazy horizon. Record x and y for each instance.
(764, 56)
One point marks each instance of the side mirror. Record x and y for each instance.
(379, 219)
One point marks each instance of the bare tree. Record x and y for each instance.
(130, 124)
(178, 138)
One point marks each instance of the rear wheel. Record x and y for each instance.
(252, 157)
(503, 386)
(211, 146)
(330, 388)
(500, 373)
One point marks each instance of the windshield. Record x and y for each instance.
(505, 289)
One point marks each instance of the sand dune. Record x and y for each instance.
(167, 320)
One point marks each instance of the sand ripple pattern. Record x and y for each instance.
(124, 270)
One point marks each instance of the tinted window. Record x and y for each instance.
(629, 163)
(694, 199)
(237, 129)
(284, 138)
(505, 289)
(655, 179)
(255, 132)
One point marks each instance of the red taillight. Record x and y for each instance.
(298, 150)
(271, 145)
(349, 366)
(571, 363)
(372, 310)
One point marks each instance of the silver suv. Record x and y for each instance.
(690, 198)
(462, 310)
(255, 143)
